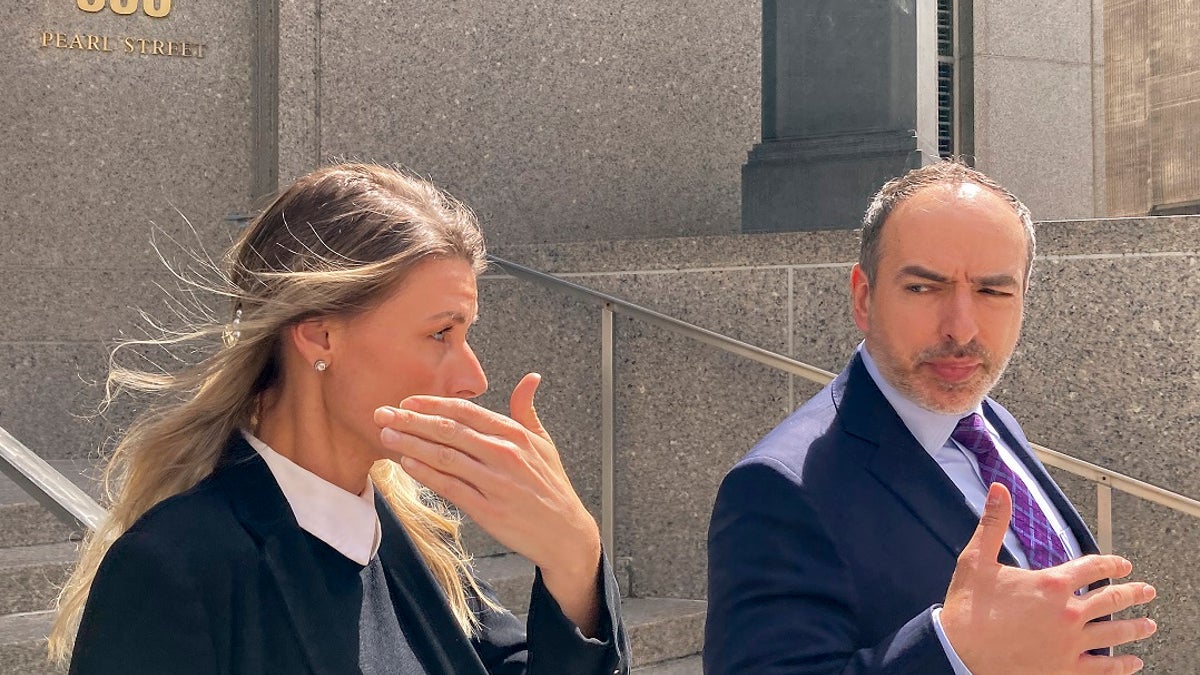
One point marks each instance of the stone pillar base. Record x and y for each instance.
(823, 182)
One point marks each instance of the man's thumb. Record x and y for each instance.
(993, 524)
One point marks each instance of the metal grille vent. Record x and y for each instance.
(945, 77)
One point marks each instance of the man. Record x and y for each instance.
(867, 533)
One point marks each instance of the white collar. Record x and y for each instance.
(931, 429)
(344, 520)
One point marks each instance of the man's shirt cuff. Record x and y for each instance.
(956, 663)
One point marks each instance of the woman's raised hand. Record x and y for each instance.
(506, 475)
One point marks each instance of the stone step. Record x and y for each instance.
(662, 630)
(692, 665)
(30, 524)
(23, 643)
(510, 576)
(30, 576)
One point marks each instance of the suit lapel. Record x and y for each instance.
(421, 605)
(261, 506)
(901, 465)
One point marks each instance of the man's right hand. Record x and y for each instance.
(1007, 620)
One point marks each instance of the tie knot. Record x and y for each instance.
(973, 434)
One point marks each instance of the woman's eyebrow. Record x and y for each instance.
(456, 317)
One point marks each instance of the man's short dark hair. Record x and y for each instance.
(945, 172)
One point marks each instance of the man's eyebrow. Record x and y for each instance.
(997, 280)
(992, 280)
(918, 271)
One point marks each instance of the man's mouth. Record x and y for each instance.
(953, 370)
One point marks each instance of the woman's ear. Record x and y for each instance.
(311, 339)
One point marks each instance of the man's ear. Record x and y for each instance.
(860, 297)
(310, 338)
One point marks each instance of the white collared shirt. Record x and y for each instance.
(344, 520)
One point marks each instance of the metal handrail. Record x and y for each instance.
(1106, 480)
(47, 485)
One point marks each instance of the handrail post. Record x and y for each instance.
(1104, 521)
(607, 432)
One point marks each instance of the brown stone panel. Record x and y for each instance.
(1128, 170)
(1174, 88)
(1174, 35)
(1175, 136)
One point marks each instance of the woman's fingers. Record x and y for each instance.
(460, 410)
(451, 488)
(520, 405)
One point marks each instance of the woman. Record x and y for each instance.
(270, 516)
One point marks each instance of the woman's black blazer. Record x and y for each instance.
(221, 579)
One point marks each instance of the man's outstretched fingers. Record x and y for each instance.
(1115, 598)
(1091, 568)
(1102, 634)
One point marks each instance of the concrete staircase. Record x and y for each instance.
(36, 553)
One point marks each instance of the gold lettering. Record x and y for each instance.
(199, 51)
(170, 48)
(142, 43)
(156, 8)
(93, 43)
(47, 38)
(123, 6)
(76, 42)
(157, 48)
(104, 44)
(60, 40)
(183, 49)
(90, 5)
(128, 45)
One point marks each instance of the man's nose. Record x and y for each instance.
(959, 324)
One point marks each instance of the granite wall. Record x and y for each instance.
(1108, 370)
(1039, 102)
(115, 125)
(555, 121)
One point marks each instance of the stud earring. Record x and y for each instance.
(320, 366)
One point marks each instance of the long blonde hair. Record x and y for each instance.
(332, 243)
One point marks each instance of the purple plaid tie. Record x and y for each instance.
(1042, 545)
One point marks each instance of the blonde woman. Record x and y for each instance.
(272, 512)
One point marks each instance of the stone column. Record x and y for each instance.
(849, 100)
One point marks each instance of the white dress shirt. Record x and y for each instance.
(932, 431)
(344, 520)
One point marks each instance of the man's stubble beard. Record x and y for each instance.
(907, 381)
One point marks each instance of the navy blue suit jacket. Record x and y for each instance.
(834, 539)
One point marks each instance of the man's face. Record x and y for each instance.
(944, 311)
